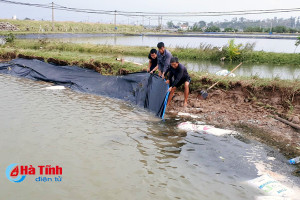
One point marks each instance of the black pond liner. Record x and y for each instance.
(143, 89)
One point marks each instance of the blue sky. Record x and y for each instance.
(7, 10)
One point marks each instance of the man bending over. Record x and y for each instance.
(181, 76)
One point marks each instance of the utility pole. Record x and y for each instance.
(149, 21)
(158, 23)
(143, 20)
(115, 21)
(52, 16)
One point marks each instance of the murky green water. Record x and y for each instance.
(109, 149)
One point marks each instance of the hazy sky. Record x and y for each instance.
(8, 10)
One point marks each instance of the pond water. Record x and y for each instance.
(109, 149)
(262, 70)
(269, 45)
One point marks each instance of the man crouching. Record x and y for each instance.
(178, 75)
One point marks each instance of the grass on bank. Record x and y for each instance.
(72, 58)
(200, 80)
(235, 53)
(32, 26)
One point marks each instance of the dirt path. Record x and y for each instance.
(235, 110)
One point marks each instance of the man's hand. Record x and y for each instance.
(151, 72)
(163, 76)
(170, 89)
(167, 82)
(148, 70)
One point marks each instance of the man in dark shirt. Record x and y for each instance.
(152, 67)
(163, 59)
(178, 75)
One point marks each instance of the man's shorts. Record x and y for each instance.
(182, 81)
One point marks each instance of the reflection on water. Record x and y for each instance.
(112, 150)
(262, 70)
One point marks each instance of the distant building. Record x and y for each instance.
(184, 27)
(14, 17)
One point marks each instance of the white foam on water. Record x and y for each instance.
(56, 87)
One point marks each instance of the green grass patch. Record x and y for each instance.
(32, 26)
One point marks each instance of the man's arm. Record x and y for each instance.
(149, 65)
(155, 68)
(180, 74)
(169, 81)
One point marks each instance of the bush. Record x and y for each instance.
(10, 38)
(233, 51)
(213, 29)
(253, 29)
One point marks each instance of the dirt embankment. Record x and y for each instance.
(249, 111)
(103, 68)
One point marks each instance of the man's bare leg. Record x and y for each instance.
(186, 93)
(171, 95)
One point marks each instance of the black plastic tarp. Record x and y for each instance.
(146, 90)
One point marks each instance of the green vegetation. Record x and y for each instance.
(297, 43)
(230, 30)
(86, 60)
(244, 53)
(31, 26)
(233, 50)
(254, 29)
(212, 29)
(280, 25)
(10, 38)
(276, 29)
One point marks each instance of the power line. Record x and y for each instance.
(149, 14)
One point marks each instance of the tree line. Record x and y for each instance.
(276, 25)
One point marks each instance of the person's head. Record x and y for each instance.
(153, 53)
(161, 47)
(174, 62)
